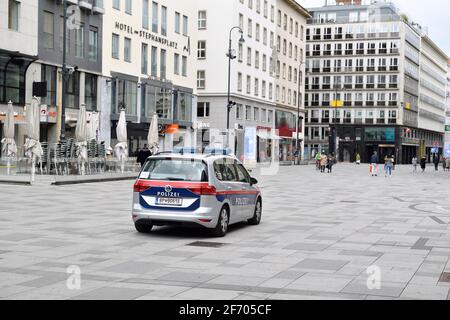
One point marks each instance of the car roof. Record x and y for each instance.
(195, 156)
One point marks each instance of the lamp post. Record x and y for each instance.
(64, 75)
(333, 135)
(231, 56)
(299, 119)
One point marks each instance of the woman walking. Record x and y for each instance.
(388, 166)
(423, 163)
(323, 162)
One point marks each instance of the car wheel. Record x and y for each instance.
(222, 224)
(258, 213)
(143, 228)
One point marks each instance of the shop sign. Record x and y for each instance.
(447, 128)
(44, 113)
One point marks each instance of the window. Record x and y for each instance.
(177, 23)
(162, 65)
(239, 111)
(48, 29)
(90, 91)
(201, 49)
(128, 6)
(249, 56)
(145, 8)
(116, 4)
(48, 74)
(163, 21)
(249, 84)
(202, 20)
(185, 25)
(176, 64)
(144, 58)
(256, 114)
(257, 59)
(115, 46)
(154, 70)
(248, 113)
(124, 93)
(184, 66)
(241, 21)
(73, 90)
(127, 50)
(263, 89)
(154, 17)
(240, 52)
(256, 87)
(201, 79)
(13, 15)
(79, 42)
(93, 44)
(249, 28)
(203, 109)
(239, 85)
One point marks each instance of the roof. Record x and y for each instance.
(294, 4)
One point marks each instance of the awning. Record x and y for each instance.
(13, 68)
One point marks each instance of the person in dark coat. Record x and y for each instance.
(143, 154)
(423, 163)
(436, 160)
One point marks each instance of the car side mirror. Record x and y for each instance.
(253, 181)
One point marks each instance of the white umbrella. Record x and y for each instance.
(8, 142)
(187, 139)
(33, 148)
(81, 134)
(92, 127)
(121, 148)
(153, 135)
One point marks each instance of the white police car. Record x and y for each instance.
(209, 190)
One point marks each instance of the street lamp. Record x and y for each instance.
(299, 119)
(231, 56)
(333, 135)
(64, 75)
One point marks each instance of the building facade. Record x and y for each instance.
(83, 54)
(264, 76)
(148, 68)
(447, 116)
(363, 91)
(18, 50)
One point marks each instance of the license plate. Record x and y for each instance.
(169, 202)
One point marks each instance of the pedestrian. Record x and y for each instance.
(447, 163)
(444, 163)
(358, 159)
(436, 161)
(374, 164)
(415, 163)
(388, 165)
(143, 154)
(330, 163)
(318, 157)
(323, 162)
(423, 163)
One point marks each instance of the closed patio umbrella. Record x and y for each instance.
(33, 148)
(121, 148)
(81, 134)
(8, 142)
(153, 135)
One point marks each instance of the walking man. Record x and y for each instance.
(143, 154)
(388, 166)
(374, 164)
(423, 163)
(436, 161)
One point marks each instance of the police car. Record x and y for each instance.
(212, 190)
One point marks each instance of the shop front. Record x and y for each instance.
(264, 138)
(286, 128)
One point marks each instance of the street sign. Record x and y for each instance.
(447, 128)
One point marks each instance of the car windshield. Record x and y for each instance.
(175, 170)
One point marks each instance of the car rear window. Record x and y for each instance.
(175, 170)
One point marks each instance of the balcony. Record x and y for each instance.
(370, 103)
(316, 53)
(381, 86)
(326, 87)
(338, 36)
(370, 69)
(369, 121)
(348, 52)
(326, 70)
(381, 103)
(85, 4)
(347, 103)
(359, 86)
(327, 53)
(317, 37)
(370, 86)
(371, 51)
(348, 86)
(393, 103)
(327, 37)
(338, 52)
(359, 51)
(393, 68)
(393, 86)
(98, 7)
(358, 103)
(382, 51)
(360, 69)
(325, 103)
(382, 68)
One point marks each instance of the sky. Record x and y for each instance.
(434, 14)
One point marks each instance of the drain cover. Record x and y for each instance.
(206, 244)
(445, 277)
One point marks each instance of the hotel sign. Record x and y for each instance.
(146, 35)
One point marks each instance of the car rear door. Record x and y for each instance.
(248, 192)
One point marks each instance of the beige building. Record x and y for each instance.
(148, 64)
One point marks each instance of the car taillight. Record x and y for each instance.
(205, 190)
(141, 186)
